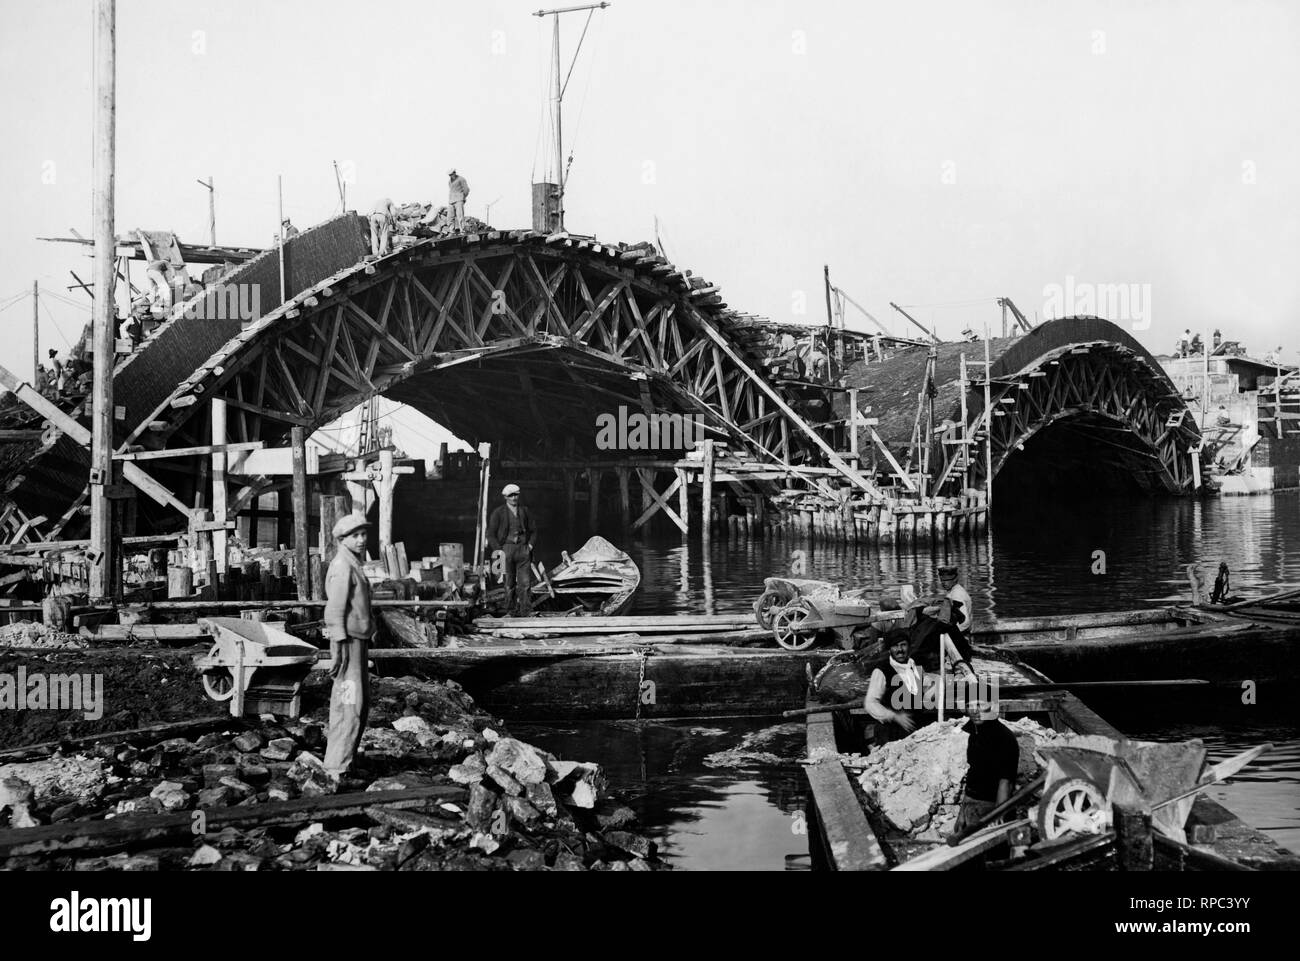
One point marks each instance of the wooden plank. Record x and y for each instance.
(149, 734)
(155, 490)
(188, 451)
(67, 836)
(898, 470)
(944, 857)
(150, 632)
(851, 843)
(1065, 852)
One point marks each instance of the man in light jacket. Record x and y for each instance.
(349, 626)
(458, 193)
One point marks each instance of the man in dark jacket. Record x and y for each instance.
(511, 530)
(993, 757)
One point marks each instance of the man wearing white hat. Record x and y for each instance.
(510, 529)
(349, 626)
(458, 193)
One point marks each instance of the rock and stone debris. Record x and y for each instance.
(510, 805)
(916, 783)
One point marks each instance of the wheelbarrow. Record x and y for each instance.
(797, 611)
(255, 666)
(1085, 781)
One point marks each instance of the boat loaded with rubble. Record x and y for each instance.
(1103, 802)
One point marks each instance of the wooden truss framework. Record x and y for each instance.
(1105, 380)
(620, 327)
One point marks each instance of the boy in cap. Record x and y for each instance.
(349, 627)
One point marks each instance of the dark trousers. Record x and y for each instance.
(925, 634)
(519, 580)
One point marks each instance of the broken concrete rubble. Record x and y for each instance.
(916, 783)
(504, 804)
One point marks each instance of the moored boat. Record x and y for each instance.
(597, 579)
(1222, 646)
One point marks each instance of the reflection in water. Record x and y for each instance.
(701, 817)
(720, 818)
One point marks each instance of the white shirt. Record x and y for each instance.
(910, 676)
(959, 593)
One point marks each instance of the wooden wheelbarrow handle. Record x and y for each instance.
(823, 708)
(1220, 771)
(998, 811)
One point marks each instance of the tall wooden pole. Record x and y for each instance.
(965, 429)
(279, 190)
(557, 97)
(212, 210)
(36, 334)
(988, 424)
(220, 537)
(826, 276)
(854, 457)
(387, 481)
(557, 94)
(301, 537)
(101, 552)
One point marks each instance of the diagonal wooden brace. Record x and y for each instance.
(61, 421)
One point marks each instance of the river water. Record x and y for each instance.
(742, 810)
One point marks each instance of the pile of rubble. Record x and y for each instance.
(916, 783)
(473, 798)
(37, 635)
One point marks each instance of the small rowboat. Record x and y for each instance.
(597, 579)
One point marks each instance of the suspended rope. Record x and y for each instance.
(582, 106)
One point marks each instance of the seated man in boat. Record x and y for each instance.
(993, 756)
(941, 623)
(898, 673)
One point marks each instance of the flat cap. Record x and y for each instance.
(509, 489)
(346, 525)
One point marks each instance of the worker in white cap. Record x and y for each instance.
(349, 626)
(458, 193)
(511, 530)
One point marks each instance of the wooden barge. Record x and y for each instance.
(570, 677)
(844, 835)
(1221, 645)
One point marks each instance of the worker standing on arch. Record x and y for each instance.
(458, 193)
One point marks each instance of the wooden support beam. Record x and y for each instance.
(301, 538)
(220, 538)
(706, 487)
(683, 499)
(188, 451)
(898, 468)
(832, 457)
(387, 481)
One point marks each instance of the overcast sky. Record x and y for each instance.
(931, 153)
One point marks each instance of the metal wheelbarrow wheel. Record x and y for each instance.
(788, 627)
(1072, 805)
(763, 608)
(218, 683)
